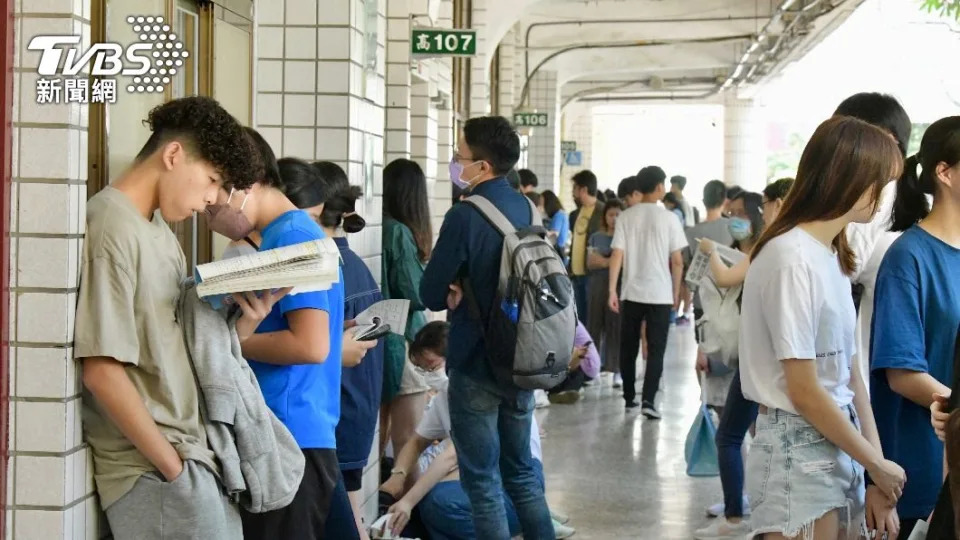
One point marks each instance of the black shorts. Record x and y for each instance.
(353, 479)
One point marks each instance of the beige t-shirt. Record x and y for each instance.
(126, 310)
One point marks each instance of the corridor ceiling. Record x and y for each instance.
(656, 49)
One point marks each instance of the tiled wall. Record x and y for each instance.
(577, 127)
(50, 489)
(544, 149)
(314, 101)
(480, 66)
(744, 157)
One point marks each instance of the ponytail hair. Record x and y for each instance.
(341, 207)
(940, 144)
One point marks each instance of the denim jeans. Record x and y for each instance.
(581, 284)
(446, 512)
(738, 414)
(491, 430)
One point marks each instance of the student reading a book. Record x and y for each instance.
(407, 243)
(295, 355)
(140, 400)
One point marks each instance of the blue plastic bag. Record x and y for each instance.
(701, 447)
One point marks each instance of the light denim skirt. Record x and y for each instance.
(796, 476)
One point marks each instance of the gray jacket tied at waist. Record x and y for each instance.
(261, 463)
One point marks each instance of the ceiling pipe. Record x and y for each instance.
(524, 93)
(676, 81)
(668, 20)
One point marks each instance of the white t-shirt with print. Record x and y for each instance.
(435, 425)
(647, 234)
(796, 304)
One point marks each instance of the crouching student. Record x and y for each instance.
(295, 355)
(426, 474)
(584, 366)
(154, 469)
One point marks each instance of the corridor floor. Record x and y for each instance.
(619, 476)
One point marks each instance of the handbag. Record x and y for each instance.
(700, 449)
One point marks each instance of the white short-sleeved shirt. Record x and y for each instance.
(435, 425)
(647, 234)
(796, 304)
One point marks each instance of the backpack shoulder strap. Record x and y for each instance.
(492, 214)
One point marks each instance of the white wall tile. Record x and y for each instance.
(36, 161)
(304, 11)
(47, 475)
(269, 41)
(41, 208)
(41, 427)
(269, 109)
(333, 77)
(299, 110)
(333, 111)
(43, 372)
(331, 143)
(44, 262)
(301, 43)
(333, 44)
(270, 76)
(39, 524)
(299, 76)
(336, 12)
(298, 142)
(45, 318)
(270, 11)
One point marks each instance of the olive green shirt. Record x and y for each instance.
(130, 278)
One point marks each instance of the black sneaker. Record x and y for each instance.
(650, 412)
(632, 404)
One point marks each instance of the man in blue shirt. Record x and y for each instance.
(490, 423)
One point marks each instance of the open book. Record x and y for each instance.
(700, 265)
(386, 316)
(309, 266)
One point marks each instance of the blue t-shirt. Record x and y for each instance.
(560, 222)
(915, 320)
(360, 387)
(305, 397)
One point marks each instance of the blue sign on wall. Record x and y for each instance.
(574, 159)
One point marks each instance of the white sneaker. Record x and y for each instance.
(717, 509)
(617, 380)
(541, 399)
(722, 529)
(559, 517)
(562, 531)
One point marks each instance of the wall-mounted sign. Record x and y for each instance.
(443, 42)
(568, 146)
(573, 159)
(530, 119)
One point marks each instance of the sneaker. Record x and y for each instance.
(617, 381)
(683, 320)
(540, 399)
(717, 509)
(632, 404)
(650, 412)
(562, 531)
(564, 398)
(722, 529)
(559, 517)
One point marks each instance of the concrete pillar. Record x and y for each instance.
(480, 68)
(398, 80)
(744, 149)
(578, 127)
(544, 144)
(50, 491)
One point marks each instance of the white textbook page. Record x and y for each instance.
(392, 312)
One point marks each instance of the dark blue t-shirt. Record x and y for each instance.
(360, 385)
(305, 397)
(915, 320)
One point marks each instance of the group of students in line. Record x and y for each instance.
(849, 321)
(154, 469)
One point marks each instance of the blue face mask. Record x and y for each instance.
(739, 229)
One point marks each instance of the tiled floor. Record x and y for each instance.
(620, 476)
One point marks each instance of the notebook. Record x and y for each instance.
(307, 267)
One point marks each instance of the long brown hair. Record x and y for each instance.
(844, 159)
